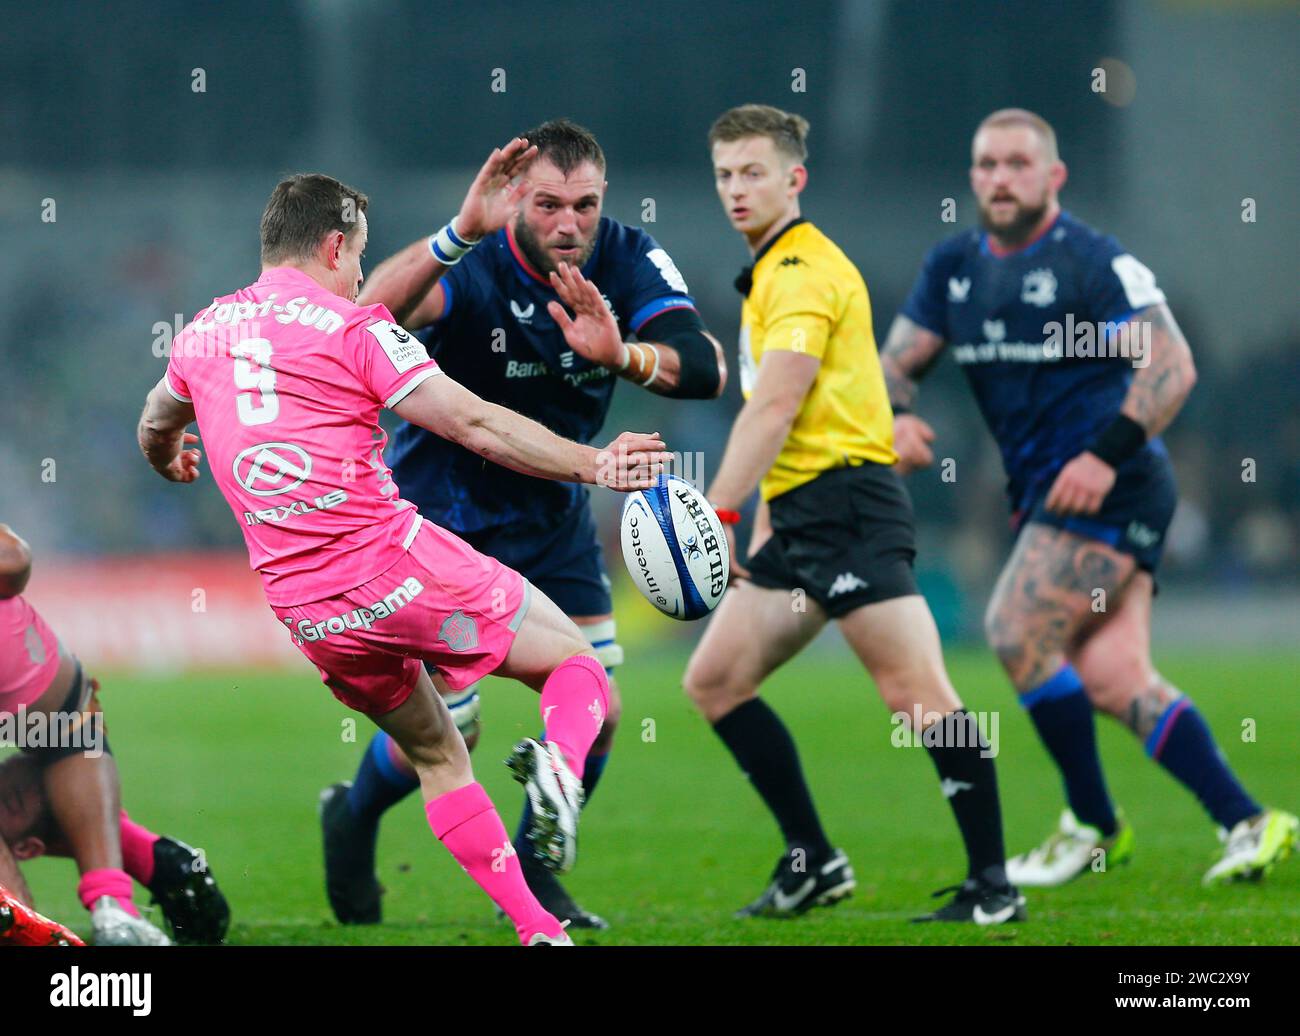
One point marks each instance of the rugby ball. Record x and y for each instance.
(675, 548)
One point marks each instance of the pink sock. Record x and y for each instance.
(137, 850)
(106, 882)
(575, 699)
(467, 823)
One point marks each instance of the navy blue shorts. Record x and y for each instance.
(562, 558)
(1133, 518)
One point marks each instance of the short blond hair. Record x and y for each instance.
(1024, 117)
(789, 132)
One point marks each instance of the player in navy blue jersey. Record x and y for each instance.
(1077, 366)
(534, 317)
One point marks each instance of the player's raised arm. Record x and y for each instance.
(15, 562)
(163, 438)
(445, 407)
(675, 357)
(407, 283)
(909, 352)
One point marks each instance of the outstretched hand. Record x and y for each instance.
(492, 199)
(632, 461)
(592, 331)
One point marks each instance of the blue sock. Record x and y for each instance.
(1183, 745)
(378, 783)
(1063, 717)
(591, 772)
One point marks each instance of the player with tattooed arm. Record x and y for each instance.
(1077, 365)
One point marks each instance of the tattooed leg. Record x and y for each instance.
(1114, 661)
(1052, 588)
(1147, 706)
(1112, 655)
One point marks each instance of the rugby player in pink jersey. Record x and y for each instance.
(50, 707)
(286, 378)
(176, 875)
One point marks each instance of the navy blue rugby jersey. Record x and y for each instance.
(1016, 323)
(497, 339)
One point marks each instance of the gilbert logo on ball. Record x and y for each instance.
(675, 548)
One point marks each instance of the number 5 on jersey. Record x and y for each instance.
(251, 373)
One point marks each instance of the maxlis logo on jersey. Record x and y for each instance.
(284, 512)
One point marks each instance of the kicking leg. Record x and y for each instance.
(548, 654)
(552, 656)
(599, 631)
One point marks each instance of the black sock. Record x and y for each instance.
(970, 784)
(766, 753)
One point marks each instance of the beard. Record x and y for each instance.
(540, 258)
(1021, 225)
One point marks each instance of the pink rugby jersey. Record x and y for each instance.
(29, 654)
(287, 380)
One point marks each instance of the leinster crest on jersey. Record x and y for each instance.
(1039, 288)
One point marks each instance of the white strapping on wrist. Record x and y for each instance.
(626, 358)
(654, 372)
(448, 247)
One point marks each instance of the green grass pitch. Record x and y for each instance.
(674, 839)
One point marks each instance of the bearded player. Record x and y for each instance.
(833, 538)
(176, 875)
(533, 317)
(286, 378)
(42, 682)
(1090, 485)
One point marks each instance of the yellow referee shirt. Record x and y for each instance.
(807, 297)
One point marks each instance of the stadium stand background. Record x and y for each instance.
(157, 190)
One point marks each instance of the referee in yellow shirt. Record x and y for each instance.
(833, 538)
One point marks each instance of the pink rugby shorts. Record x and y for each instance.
(443, 602)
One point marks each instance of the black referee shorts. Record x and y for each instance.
(846, 539)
